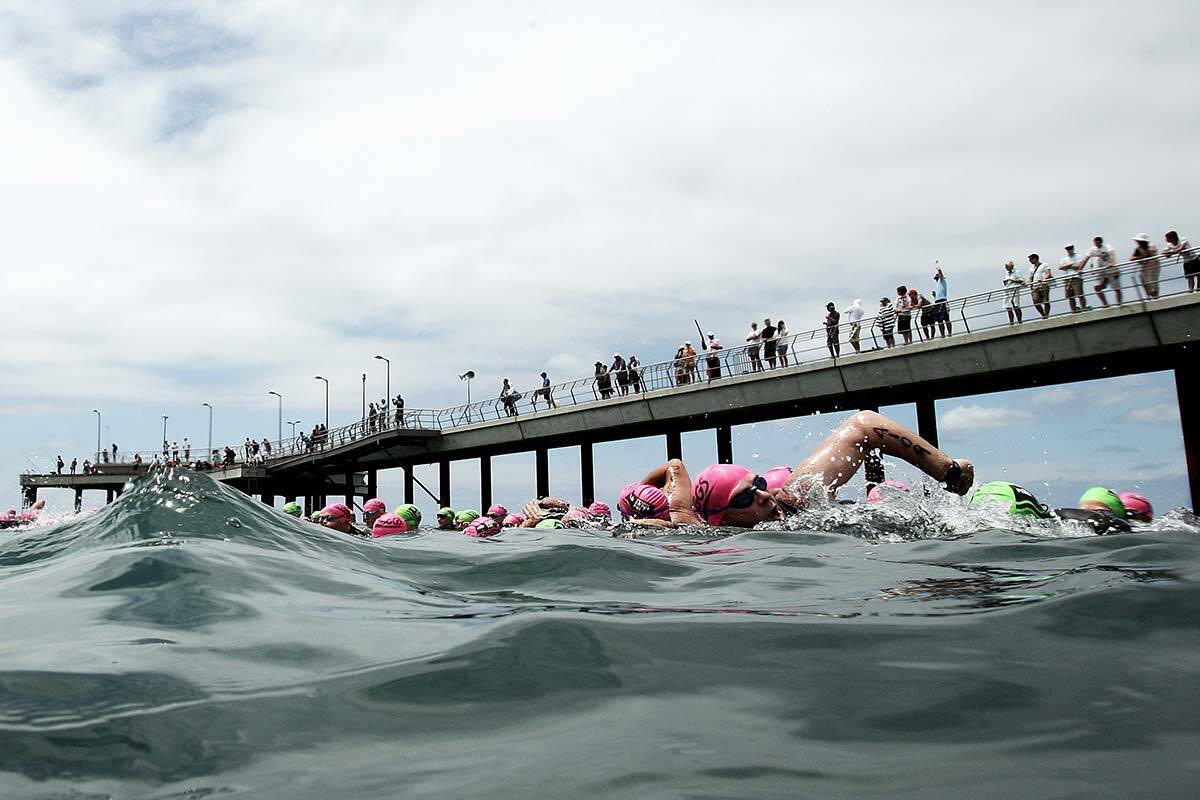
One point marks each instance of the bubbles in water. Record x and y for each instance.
(233, 522)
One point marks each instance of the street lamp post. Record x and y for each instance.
(164, 437)
(293, 424)
(467, 376)
(97, 413)
(364, 416)
(389, 375)
(210, 410)
(279, 433)
(319, 378)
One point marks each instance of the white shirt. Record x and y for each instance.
(1068, 264)
(1103, 256)
(1040, 273)
(714, 345)
(854, 313)
(754, 336)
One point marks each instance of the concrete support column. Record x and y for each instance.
(289, 498)
(268, 499)
(674, 445)
(542, 460)
(78, 500)
(587, 474)
(927, 420)
(308, 505)
(724, 444)
(372, 483)
(30, 495)
(444, 483)
(409, 494)
(348, 485)
(109, 494)
(485, 483)
(1187, 388)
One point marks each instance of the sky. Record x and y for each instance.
(207, 201)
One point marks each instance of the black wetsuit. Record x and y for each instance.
(1101, 522)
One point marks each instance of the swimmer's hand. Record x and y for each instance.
(960, 477)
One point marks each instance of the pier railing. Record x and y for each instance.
(982, 311)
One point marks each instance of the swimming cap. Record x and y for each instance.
(388, 525)
(1136, 507)
(550, 523)
(316, 517)
(467, 515)
(482, 528)
(1107, 497)
(514, 521)
(375, 506)
(1016, 500)
(712, 489)
(601, 511)
(575, 515)
(445, 511)
(411, 514)
(882, 491)
(497, 511)
(293, 509)
(777, 477)
(337, 510)
(643, 501)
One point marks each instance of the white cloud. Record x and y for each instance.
(1056, 396)
(975, 418)
(1161, 412)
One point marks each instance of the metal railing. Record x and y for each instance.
(973, 313)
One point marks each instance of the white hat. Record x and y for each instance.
(1141, 237)
(689, 344)
(711, 334)
(616, 355)
(1068, 246)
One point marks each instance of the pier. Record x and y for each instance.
(986, 356)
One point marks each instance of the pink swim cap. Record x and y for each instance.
(878, 494)
(601, 511)
(575, 515)
(337, 510)
(497, 512)
(514, 521)
(712, 489)
(643, 501)
(777, 477)
(388, 525)
(482, 528)
(1137, 507)
(375, 506)
(27, 516)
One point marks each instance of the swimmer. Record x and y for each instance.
(497, 512)
(293, 509)
(482, 528)
(373, 509)
(726, 494)
(544, 508)
(514, 521)
(1100, 509)
(464, 518)
(411, 514)
(445, 519)
(388, 525)
(338, 517)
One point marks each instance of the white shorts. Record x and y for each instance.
(1110, 277)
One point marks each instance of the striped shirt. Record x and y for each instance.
(886, 319)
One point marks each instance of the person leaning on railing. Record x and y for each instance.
(1177, 245)
(1147, 255)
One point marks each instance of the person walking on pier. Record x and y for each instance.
(1147, 254)
(1012, 292)
(1073, 280)
(635, 373)
(1105, 260)
(854, 315)
(941, 311)
(266, 446)
(832, 321)
(752, 351)
(545, 392)
(1191, 260)
(509, 397)
(1039, 285)
(885, 320)
(781, 343)
(59, 468)
(114, 453)
(166, 450)
(768, 343)
(174, 451)
(712, 359)
(74, 465)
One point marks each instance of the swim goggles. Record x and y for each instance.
(744, 498)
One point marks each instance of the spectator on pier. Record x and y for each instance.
(1039, 284)
(923, 312)
(114, 453)
(1073, 280)
(689, 353)
(174, 451)
(1104, 258)
(104, 456)
(903, 314)
(398, 402)
(166, 449)
(753, 338)
(769, 343)
(680, 367)
(712, 357)
(635, 373)
(854, 315)
(372, 414)
(621, 370)
(545, 392)
(230, 456)
(187, 449)
(74, 465)
(885, 320)
(832, 334)
(941, 313)
(137, 459)
(87, 467)
(1012, 292)
(1147, 254)
(603, 381)
(59, 467)
(782, 343)
(509, 397)
(266, 446)
(1177, 245)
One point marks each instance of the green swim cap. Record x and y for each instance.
(550, 523)
(467, 516)
(316, 516)
(1106, 496)
(1017, 500)
(293, 509)
(446, 511)
(411, 514)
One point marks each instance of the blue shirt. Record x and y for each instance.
(939, 289)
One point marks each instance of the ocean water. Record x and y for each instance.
(189, 642)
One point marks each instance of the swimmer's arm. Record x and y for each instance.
(672, 477)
